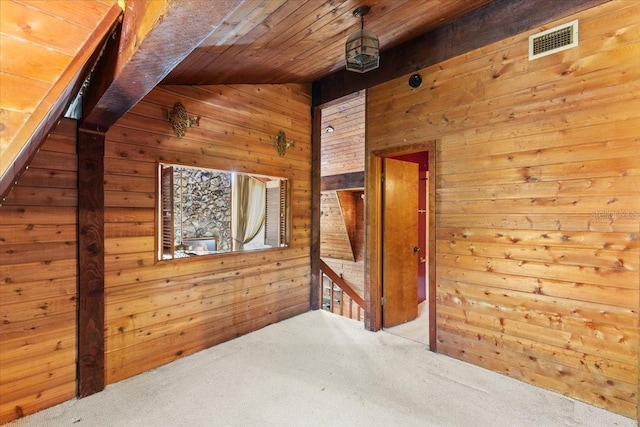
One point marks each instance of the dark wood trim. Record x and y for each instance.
(91, 346)
(316, 275)
(100, 80)
(173, 27)
(347, 181)
(497, 21)
(73, 77)
(431, 284)
(373, 239)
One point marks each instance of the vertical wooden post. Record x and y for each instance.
(331, 298)
(373, 249)
(316, 276)
(431, 227)
(91, 378)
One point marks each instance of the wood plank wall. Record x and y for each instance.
(334, 237)
(538, 204)
(342, 152)
(158, 312)
(332, 228)
(342, 149)
(38, 281)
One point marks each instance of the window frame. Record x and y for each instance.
(285, 219)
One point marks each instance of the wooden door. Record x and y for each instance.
(400, 255)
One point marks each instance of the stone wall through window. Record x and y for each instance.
(202, 200)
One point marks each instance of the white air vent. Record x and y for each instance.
(553, 40)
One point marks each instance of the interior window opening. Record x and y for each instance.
(207, 212)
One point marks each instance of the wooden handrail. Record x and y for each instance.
(341, 283)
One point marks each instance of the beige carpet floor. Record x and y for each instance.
(318, 369)
(417, 329)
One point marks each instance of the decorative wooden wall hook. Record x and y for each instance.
(180, 119)
(282, 143)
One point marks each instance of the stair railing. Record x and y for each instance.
(340, 295)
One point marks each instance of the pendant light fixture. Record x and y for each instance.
(362, 50)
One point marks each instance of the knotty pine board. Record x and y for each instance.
(157, 312)
(38, 282)
(537, 204)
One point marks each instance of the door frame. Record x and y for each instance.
(373, 232)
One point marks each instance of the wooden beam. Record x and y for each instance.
(316, 275)
(347, 181)
(496, 21)
(431, 242)
(48, 114)
(91, 347)
(156, 37)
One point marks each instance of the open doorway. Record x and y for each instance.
(412, 236)
(402, 241)
(341, 206)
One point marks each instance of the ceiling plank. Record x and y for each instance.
(286, 41)
(244, 27)
(496, 21)
(155, 38)
(45, 116)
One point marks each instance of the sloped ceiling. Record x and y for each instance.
(48, 48)
(45, 47)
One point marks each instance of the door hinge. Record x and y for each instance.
(382, 177)
(382, 300)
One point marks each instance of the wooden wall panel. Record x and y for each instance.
(537, 204)
(342, 149)
(157, 312)
(334, 237)
(352, 270)
(343, 152)
(38, 281)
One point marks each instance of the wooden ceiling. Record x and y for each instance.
(297, 41)
(47, 49)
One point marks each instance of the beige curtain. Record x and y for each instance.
(248, 209)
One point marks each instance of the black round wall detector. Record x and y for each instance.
(415, 80)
